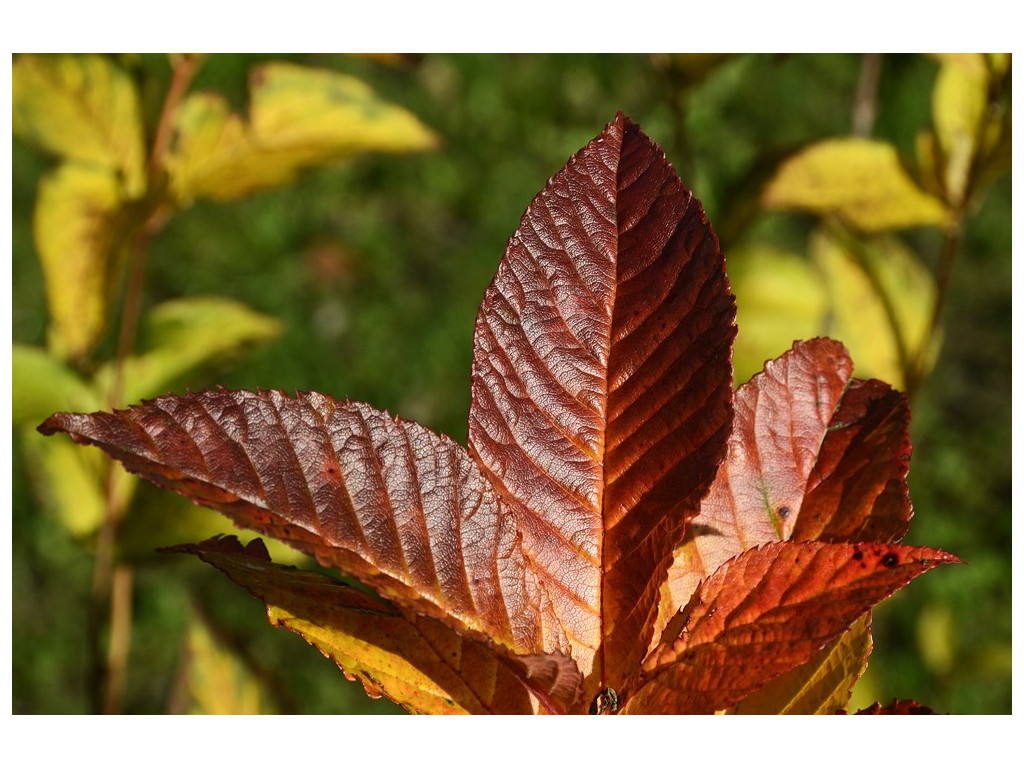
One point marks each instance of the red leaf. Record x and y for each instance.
(782, 418)
(814, 455)
(898, 707)
(601, 387)
(400, 508)
(763, 613)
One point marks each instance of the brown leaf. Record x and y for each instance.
(414, 660)
(898, 707)
(765, 612)
(385, 500)
(601, 387)
(782, 418)
(858, 490)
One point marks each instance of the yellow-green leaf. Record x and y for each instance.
(780, 297)
(299, 118)
(179, 336)
(70, 484)
(83, 108)
(858, 180)
(822, 685)
(43, 384)
(77, 232)
(881, 299)
(328, 114)
(959, 101)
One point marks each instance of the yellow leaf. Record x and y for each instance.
(780, 297)
(858, 180)
(299, 118)
(77, 230)
(83, 108)
(959, 103)
(219, 682)
(882, 286)
(822, 685)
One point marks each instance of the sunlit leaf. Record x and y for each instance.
(781, 419)
(602, 405)
(83, 108)
(404, 510)
(958, 112)
(601, 388)
(858, 180)
(179, 336)
(299, 118)
(77, 231)
(765, 612)
(822, 686)
(881, 299)
(414, 660)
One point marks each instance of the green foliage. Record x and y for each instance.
(373, 271)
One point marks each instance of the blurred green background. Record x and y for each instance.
(376, 269)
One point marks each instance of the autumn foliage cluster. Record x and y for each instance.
(624, 532)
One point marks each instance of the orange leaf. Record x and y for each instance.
(765, 612)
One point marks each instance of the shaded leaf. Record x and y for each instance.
(218, 681)
(765, 612)
(400, 508)
(77, 229)
(859, 180)
(414, 660)
(881, 297)
(83, 108)
(299, 117)
(858, 490)
(601, 387)
(179, 336)
(823, 685)
(898, 707)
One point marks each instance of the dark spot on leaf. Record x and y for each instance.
(858, 555)
(890, 560)
(783, 512)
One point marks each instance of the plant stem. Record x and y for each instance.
(112, 583)
(865, 100)
(915, 371)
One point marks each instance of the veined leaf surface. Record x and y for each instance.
(599, 430)
(602, 387)
(763, 613)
